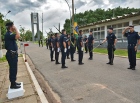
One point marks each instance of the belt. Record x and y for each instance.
(11, 51)
(131, 44)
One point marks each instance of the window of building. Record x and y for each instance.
(126, 24)
(109, 26)
(102, 35)
(136, 22)
(95, 29)
(102, 28)
(114, 26)
(119, 34)
(119, 25)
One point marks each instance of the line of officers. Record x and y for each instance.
(67, 44)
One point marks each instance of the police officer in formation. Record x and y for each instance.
(57, 48)
(80, 47)
(85, 44)
(111, 39)
(63, 46)
(90, 45)
(72, 47)
(133, 42)
(12, 54)
(52, 47)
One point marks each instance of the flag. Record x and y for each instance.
(76, 28)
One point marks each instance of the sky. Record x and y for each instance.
(54, 11)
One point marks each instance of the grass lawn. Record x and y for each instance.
(3, 59)
(120, 52)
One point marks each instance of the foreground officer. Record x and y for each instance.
(12, 55)
(90, 45)
(63, 40)
(111, 39)
(52, 47)
(133, 42)
(72, 48)
(80, 47)
(57, 48)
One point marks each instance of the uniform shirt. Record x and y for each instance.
(10, 41)
(132, 37)
(90, 39)
(53, 42)
(63, 38)
(111, 39)
(80, 39)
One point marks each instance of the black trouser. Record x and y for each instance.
(132, 56)
(51, 53)
(63, 56)
(90, 51)
(80, 55)
(86, 49)
(13, 62)
(68, 52)
(72, 51)
(110, 53)
(56, 55)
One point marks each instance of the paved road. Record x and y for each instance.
(94, 82)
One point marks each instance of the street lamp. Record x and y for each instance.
(1, 53)
(70, 16)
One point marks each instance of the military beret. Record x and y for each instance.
(111, 28)
(131, 26)
(9, 24)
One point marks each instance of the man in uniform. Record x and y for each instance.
(72, 48)
(47, 43)
(57, 48)
(12, 55)
(111, 39)
(90, 45)
(52, 47)
(63, 40)
(85, 41)
(133, 42)
(80, 47)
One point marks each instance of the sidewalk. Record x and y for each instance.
(30, 95)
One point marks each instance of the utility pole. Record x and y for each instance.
(73, 14)
(59, 26)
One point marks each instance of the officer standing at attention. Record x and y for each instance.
(52, 47)
(57, 48)
(85, 42)
(133, 42)
(12, 54)
(90, 45)
(111, 39)
(80, 47)
(63, 40)
(72, 48)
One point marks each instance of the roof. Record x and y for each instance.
(132, 14)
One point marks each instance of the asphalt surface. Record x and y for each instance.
(93, 82)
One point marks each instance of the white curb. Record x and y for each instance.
(37, 86)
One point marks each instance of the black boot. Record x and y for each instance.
(130, 67)
(64, 67)
(18, 83)
(14, 86)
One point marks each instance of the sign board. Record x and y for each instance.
(34, 17)
(137, 28)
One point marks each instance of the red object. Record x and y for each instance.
(25, 51)
(26, 44)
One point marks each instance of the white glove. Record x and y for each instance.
(68, 47)
(58, 49)
(82, 49)
(52, 49)
(65, 50)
